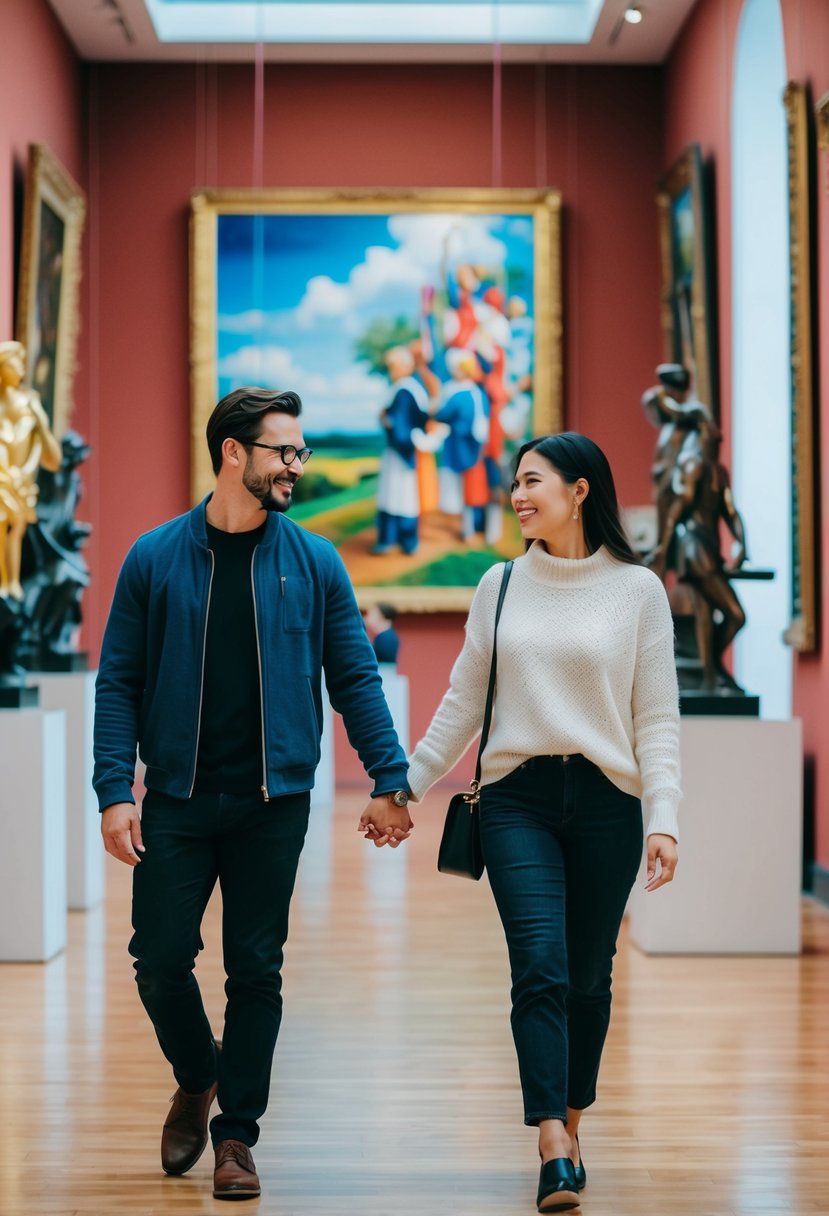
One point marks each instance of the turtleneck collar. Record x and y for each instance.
(544, 567)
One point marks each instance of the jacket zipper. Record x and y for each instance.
(264, 786)
(201, 684)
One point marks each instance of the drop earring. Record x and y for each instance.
(575, 511)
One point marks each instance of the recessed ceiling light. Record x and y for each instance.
(633, 14)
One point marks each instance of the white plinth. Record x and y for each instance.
(396, 689)
(738, 884)
(33, 833)
(323, 792)
(74, 693)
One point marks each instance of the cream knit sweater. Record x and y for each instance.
(585, 664)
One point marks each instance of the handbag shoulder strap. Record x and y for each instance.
(492, 667)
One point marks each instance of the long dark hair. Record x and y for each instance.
(573, 456)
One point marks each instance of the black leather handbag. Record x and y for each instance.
(460, 846)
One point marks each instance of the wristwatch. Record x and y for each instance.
(399, 797)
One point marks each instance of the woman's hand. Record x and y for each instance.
(384, 823)
(661, 849)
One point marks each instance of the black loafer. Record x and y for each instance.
(581, 1173)
(557, 1187)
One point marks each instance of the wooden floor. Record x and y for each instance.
(395, 1087)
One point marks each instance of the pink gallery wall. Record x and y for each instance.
(698, 89)
(43, 100)
(158, 132)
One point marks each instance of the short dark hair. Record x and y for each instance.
(573, 456)
(388, 611)
(239, 416)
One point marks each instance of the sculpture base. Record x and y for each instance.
(76, 660)
(33, 857)
(18, 696)
(701, 703)
(742, 787)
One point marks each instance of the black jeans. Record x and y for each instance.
(252, 848)
(562, 846)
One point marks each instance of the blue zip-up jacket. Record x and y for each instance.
(148, 691)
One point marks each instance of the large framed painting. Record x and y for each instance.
(802, 631)
(50, 273)
(422, 330)
(688, 287)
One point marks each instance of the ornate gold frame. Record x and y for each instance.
(207, 205)
(822, 115)
(48, 182)
(688, 173)
(802, 632)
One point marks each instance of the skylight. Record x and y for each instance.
(373, 21)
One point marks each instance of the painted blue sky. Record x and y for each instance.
(295, 291)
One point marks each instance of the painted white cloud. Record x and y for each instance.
(376, 285)
(255, 321)
(323, 298)
(427, 239)
(349, 400)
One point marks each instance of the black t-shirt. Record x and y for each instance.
(230, 737)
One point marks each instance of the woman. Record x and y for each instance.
(585, 738)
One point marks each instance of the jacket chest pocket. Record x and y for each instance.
(297, 603)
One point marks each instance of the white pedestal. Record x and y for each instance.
(33, 833)
(738, 883)
(74, 693)
(396, 689)
(323, 792)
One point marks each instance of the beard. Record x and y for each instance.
(262, 489)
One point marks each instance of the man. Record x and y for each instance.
(465, 410)
(385, 640)
(222, 623)
(398, 500)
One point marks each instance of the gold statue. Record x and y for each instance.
(26, 444)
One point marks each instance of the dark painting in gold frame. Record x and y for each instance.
(688, 287)
(48, 317)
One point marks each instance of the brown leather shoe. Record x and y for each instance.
(184, 1136)
(235, 1174)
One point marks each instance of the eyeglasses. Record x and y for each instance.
(286, 450)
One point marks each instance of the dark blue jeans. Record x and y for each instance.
(252, 848)
(562, 846)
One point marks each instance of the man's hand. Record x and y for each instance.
(385, 823)
(121, 830)
(662, 849)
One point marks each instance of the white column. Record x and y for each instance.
(74, 692)
(760, 325)
(738, 884)
(323, 792)
(396, 689)
(33, 834)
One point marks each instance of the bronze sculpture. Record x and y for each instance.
(42, 570)
(693, 497)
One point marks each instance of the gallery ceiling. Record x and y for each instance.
(392, 31)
